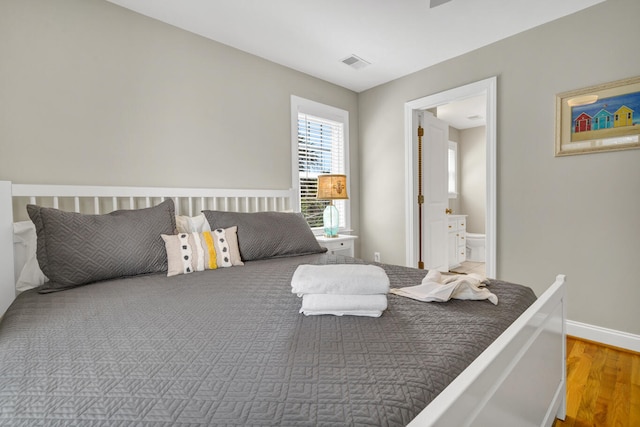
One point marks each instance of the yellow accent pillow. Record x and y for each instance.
(208, 250)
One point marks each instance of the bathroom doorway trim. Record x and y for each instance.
(488, 87)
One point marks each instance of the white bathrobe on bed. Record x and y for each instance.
(438, 288)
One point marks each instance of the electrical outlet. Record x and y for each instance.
(376, 256)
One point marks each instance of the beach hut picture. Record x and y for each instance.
(604, 117)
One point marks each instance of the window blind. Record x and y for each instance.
(320, 151)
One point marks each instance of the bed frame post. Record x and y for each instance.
(562, 409)
(7, 279)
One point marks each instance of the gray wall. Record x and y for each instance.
(472, 161)
(576, 215)
(91, 93)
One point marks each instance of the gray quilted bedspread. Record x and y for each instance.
(228, 347)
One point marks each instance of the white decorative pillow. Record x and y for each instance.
(232, 240)
(192, 224)
(26, 266)
(207, 250)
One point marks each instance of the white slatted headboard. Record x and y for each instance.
(98, 199)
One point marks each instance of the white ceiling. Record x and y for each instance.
(397, 37)
(466, 113)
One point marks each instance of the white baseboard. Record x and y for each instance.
(603, 335)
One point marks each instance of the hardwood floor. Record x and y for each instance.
(603, 386)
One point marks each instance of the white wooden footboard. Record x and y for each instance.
(519, 380)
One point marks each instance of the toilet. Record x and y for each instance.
(475, 247)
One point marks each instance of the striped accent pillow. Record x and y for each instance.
(208, 250)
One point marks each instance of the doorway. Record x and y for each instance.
(487, 87)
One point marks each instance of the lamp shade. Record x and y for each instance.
(332, 187)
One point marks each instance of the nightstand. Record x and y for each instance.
(341, 245)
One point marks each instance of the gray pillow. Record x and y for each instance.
(268, 234)
(75, 249)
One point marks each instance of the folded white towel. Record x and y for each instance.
(435, 288)
(344, 305)
(342, 279)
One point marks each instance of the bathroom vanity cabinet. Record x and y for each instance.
(457, 227)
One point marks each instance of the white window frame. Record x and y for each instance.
(453, 146)
(306, 106)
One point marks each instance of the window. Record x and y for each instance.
(453, 170)
(319, 146)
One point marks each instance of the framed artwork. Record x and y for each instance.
(598, 118)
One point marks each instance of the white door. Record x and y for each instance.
(435, 145)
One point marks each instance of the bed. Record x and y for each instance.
(229, 347)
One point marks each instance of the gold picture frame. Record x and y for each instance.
(598, 118)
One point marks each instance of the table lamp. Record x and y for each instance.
(331, 187)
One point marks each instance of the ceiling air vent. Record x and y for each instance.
(355, 62)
